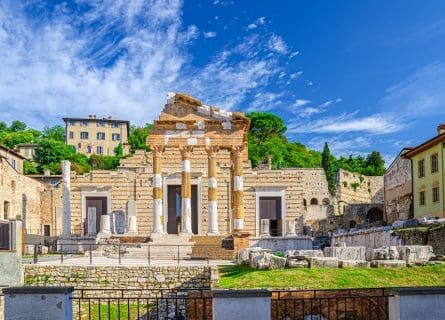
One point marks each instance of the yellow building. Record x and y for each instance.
(97, 135)
(428, 163)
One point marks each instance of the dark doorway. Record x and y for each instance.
(174, 209)
(100, 203)
(270, 208)
(374, 215)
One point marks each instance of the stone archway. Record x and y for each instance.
(374, 214)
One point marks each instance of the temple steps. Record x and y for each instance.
(210, 247)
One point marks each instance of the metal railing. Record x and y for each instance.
(123, 252)
(142, 304)
(330, 304)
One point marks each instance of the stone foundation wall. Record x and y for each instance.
(369, 238)
(120, 277)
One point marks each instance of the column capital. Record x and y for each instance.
(157, 150)
(238, 150)
(186, 150)
(212, 150)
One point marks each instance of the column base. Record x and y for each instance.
(156, 235)
(213, 233)
(185, 233)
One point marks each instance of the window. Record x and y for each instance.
(79, 145)
(435, 194)
(14, 164)
(71, 123)
(100, 123)
(46, 230)
(84, 135)
(71, 134)
(89, 149)
(421, 168)
(115, 124)
(422, 198)
(434, 163)
(314, 201)
(116, 137)
(101, 136)
(84, 123)
(100, 150)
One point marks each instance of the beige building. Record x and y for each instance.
(97, 135)
(27, 150)
(14, 159)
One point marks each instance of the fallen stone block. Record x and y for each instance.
(277, 262)
(324, 262)
(384, 253)
(388, 263)
(293, 263)
(415, 254)
(244, 255)
(353, 264)
(346, 253)
(267, 261)
(303, 253)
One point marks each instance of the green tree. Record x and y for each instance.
(138, 137)
(326, 163)
(52, 152)
(264, 125)
(29, 167)
(119, 150)
(17, 125)
(54, 133)
(3, 126)
(375, 164)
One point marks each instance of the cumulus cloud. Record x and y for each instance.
(258, 22)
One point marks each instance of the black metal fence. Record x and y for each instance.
(346, 304)
(4, 235)
(142, 304)
(124, 252)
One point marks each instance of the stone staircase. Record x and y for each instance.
(162, 247)
(211, 247)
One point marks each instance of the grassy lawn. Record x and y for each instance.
(241, 277)
(93, 311)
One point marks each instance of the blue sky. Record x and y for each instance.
(361, 75)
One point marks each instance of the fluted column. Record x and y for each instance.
(238, 188)
(212, 190)
(158, 221)
(186, 190)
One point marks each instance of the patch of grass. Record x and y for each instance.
(278, 254)
(331, 278)
(95, 311)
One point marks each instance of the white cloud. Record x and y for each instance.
(375, 124)
(293, 54)
(277, 44)
(49, 69)
(301, 102)
(342, 145)
(265, 101)
(296, 75)
(209, 34)
(258, 22)
(421, 94)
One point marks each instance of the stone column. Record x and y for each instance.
(265, 228)
(186, 191)
(212, 191)
(105, 224)
(158, 221)
(66, 177)
(290, 228)
(238, 188)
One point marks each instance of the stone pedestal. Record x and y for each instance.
(265, 228)
(132, 227)
(290, 228)
(105, 225)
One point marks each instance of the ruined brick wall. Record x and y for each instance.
(398, 190)
(20, 194)
(51, 202)
(356, 188)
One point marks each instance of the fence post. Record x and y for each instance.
(91, 256)
(38, 303)
(416, 303)
(242, 304)
(35, 253)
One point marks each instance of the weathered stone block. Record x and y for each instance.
(323, 262)
(305, 253)
(294, 263)
(353, 264)
(346, 253)
(244, 255)
(388, 263)
(384, 253)
(415, 254)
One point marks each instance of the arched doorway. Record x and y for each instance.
(374, 214)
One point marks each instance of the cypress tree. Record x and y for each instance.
(326, 163)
